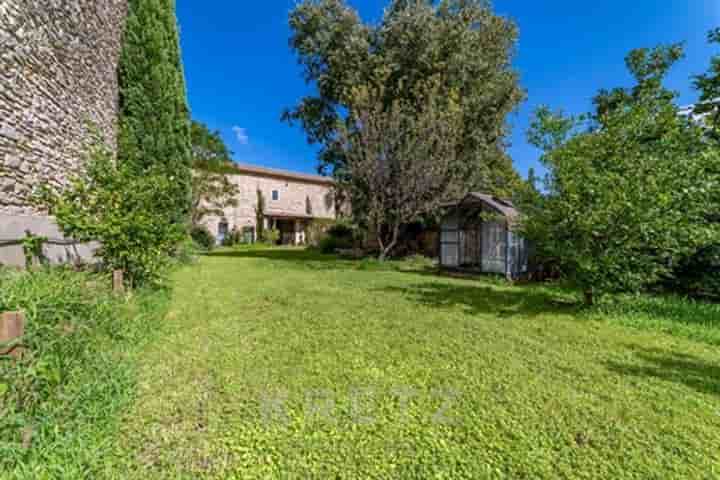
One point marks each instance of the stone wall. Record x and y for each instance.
(58, 81)
(58, 76)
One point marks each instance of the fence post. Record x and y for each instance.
(118, 282)
(12, 327)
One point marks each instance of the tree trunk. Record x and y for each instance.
(385, 251)
(589, 297)
(381, 244)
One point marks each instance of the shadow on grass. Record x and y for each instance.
(294, 257)
(677, 367)
(314, 260)
(489, 295)
(482, 299)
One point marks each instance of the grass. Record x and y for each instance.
(288, 364)
(62, 403)
(677, 316)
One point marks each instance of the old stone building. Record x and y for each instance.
(292, 202)
(58, 89)
(58, 81)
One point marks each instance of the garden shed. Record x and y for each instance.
(478, 234)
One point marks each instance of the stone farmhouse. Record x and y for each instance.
(58, 87)
(293, 201)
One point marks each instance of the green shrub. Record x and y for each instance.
(33, 249)
(339, 236)
(271, 236)
(235, 237)
(186, 252)
(202, 237)
(699, 275)
(328, 245)
(131, 215)
(631, 188)
(316, 231)
(341, 230)
(331, 244)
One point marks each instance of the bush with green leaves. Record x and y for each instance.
(316, 231)
(270, 236)
(340, 236)
(629, 197)
(699, 275)
(130, 213)
(342, 230)
(330, 244)
(202, 237)
(33, 249)
(233, 238)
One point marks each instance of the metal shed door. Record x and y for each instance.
(494, 248)
(450, 243)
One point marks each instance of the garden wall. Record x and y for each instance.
(58, 80)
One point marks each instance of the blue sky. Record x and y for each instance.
(241, 73)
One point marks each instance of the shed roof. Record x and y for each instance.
(505, 207)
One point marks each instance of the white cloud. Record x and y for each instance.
(241, 134)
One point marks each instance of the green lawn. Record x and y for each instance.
(360, 359)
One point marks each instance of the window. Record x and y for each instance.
(275, 195)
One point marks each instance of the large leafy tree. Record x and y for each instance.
(400, 161)
(708, 84)
(154, 133)
(212, 189)
(629, 187)
(700, 274)
(460, 44)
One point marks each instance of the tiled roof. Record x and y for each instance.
(273, 172)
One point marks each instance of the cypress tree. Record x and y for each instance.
(154, 131)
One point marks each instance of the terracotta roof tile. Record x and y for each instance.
(274, 172)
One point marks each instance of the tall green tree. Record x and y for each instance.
(629, 186)
(459, 44)
(154, 115)
(699, 275)
(708, 85)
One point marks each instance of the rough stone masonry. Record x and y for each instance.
(58, 83)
